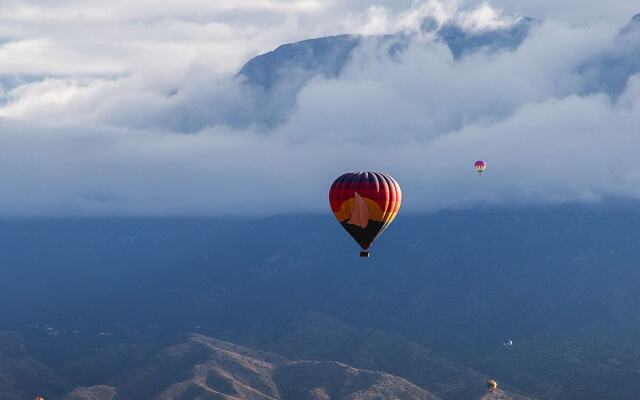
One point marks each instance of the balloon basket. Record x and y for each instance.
(364, 254)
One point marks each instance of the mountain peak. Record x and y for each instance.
(325, 55)
(632, 26)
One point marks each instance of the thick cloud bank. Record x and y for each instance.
(138, 110)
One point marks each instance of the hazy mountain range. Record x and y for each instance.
(432, 305)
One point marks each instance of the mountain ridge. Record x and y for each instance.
(228, 371)
(328, 55)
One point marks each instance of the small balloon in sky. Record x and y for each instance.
(480, 166)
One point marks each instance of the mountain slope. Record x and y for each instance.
(99, 392)
(328, 55)
(371, 349)
(502, 395)
(20, 375)
(205, 368)
(610, 71)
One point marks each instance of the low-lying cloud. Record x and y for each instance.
(122, 130)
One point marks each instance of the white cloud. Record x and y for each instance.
(136, 112)
(578, 12)
(486, 17)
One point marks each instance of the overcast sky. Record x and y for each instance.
(98, 100)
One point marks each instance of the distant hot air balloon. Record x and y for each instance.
(507, 343)
(480, 166)
(365, 203)
(491, 385)
(39, 398)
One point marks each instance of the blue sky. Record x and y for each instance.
(97, 99)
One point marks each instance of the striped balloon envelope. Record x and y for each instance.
(480, 166)
(365, 203)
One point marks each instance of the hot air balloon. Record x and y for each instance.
(365, 203)
(39, 398)
(507, 343)
(480, 166)
(491, 385)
